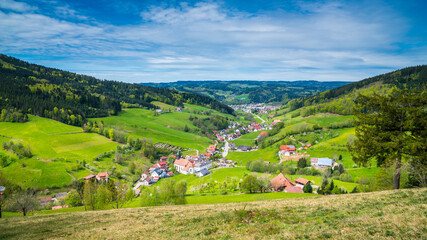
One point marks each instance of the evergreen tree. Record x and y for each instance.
(390, 129)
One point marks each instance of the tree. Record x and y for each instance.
(89, 194)
(390, 129)
(302, 163)
(73, 199)
(24, 201)
(264, 183)
(307, 188)
(250, 183)
(186, 129)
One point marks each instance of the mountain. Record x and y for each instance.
(244, 92)
(340, 100)
(71, 98)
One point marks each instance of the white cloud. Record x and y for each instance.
(16, 6)
(205, 41)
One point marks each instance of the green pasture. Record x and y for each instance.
(246, 139)
(165, 128)
(267, 154)
(243, 197)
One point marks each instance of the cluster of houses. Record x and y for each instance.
(281, 183)
(54, 200)
(196, 164)
(102, 176)
(260, 107)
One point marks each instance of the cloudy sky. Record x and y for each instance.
(160, 41)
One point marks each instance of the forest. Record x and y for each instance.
(72, 98)
(245, 92)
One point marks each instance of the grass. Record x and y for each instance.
(268, 154)
(243, 197)
(247, 139)
(166, 127)
(58, 148)
(317, 180)
(378, 215)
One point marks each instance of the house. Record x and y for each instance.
(200, 165)
(288, 148)
(147, 181)
(163, 159)
(307, 146)
(46, 200)
(293, 189)
(271, 116)
(232, 145)
(145, 175)
(321, 162)
(163, 164)
(276, 122)
(184, 166)
(59, 207)
(103, 176)
(243, 148)
(154, 167)
(61, 195)
(156, 173)
(211, 148)
(263, 133)
(301, 181)
(280, 182)
(203, 172)
(89, 177)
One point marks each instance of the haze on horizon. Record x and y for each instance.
(148, 41)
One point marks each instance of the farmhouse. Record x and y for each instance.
(89, 177)
(287, 148)
(102, 176)
(280, 182)
(301, 181)
(46, 200)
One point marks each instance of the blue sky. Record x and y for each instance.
(159, 41)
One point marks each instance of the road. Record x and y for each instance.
(263, 121)
(225, 153)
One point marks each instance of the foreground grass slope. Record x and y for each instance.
(389, 214)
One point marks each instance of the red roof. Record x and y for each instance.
(294, 190)
(287, 147)
(163, 163)
(102, 175)
(163, 158)
(280, 181)
(208, 154)
(45, 199)
(181, 162)
(302, 181)
(263, 133)
(189, 165)
(89, 177)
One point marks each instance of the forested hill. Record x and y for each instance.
(244, 92)
(340, 100)
(71, 98)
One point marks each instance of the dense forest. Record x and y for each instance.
(341, 100)
(71, 98)
(244, 92)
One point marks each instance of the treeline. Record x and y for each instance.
(145, 145)
(13, 115)
(209, 124)
(18, 148)
(169, 192)
(37, 90)
(411, 78)
(257, 91)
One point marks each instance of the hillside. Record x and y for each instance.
(341, 100)
(389, 214)
(71, 98)
(245, 92)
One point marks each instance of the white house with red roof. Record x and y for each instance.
(184, 166)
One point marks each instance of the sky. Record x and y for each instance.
(163, 41)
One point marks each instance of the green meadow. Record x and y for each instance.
(58, 150)
(166, 128)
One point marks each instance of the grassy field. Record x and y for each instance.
(268, 154)
(378, 215)
(57, 150)
(166, 127)
(247, 139)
